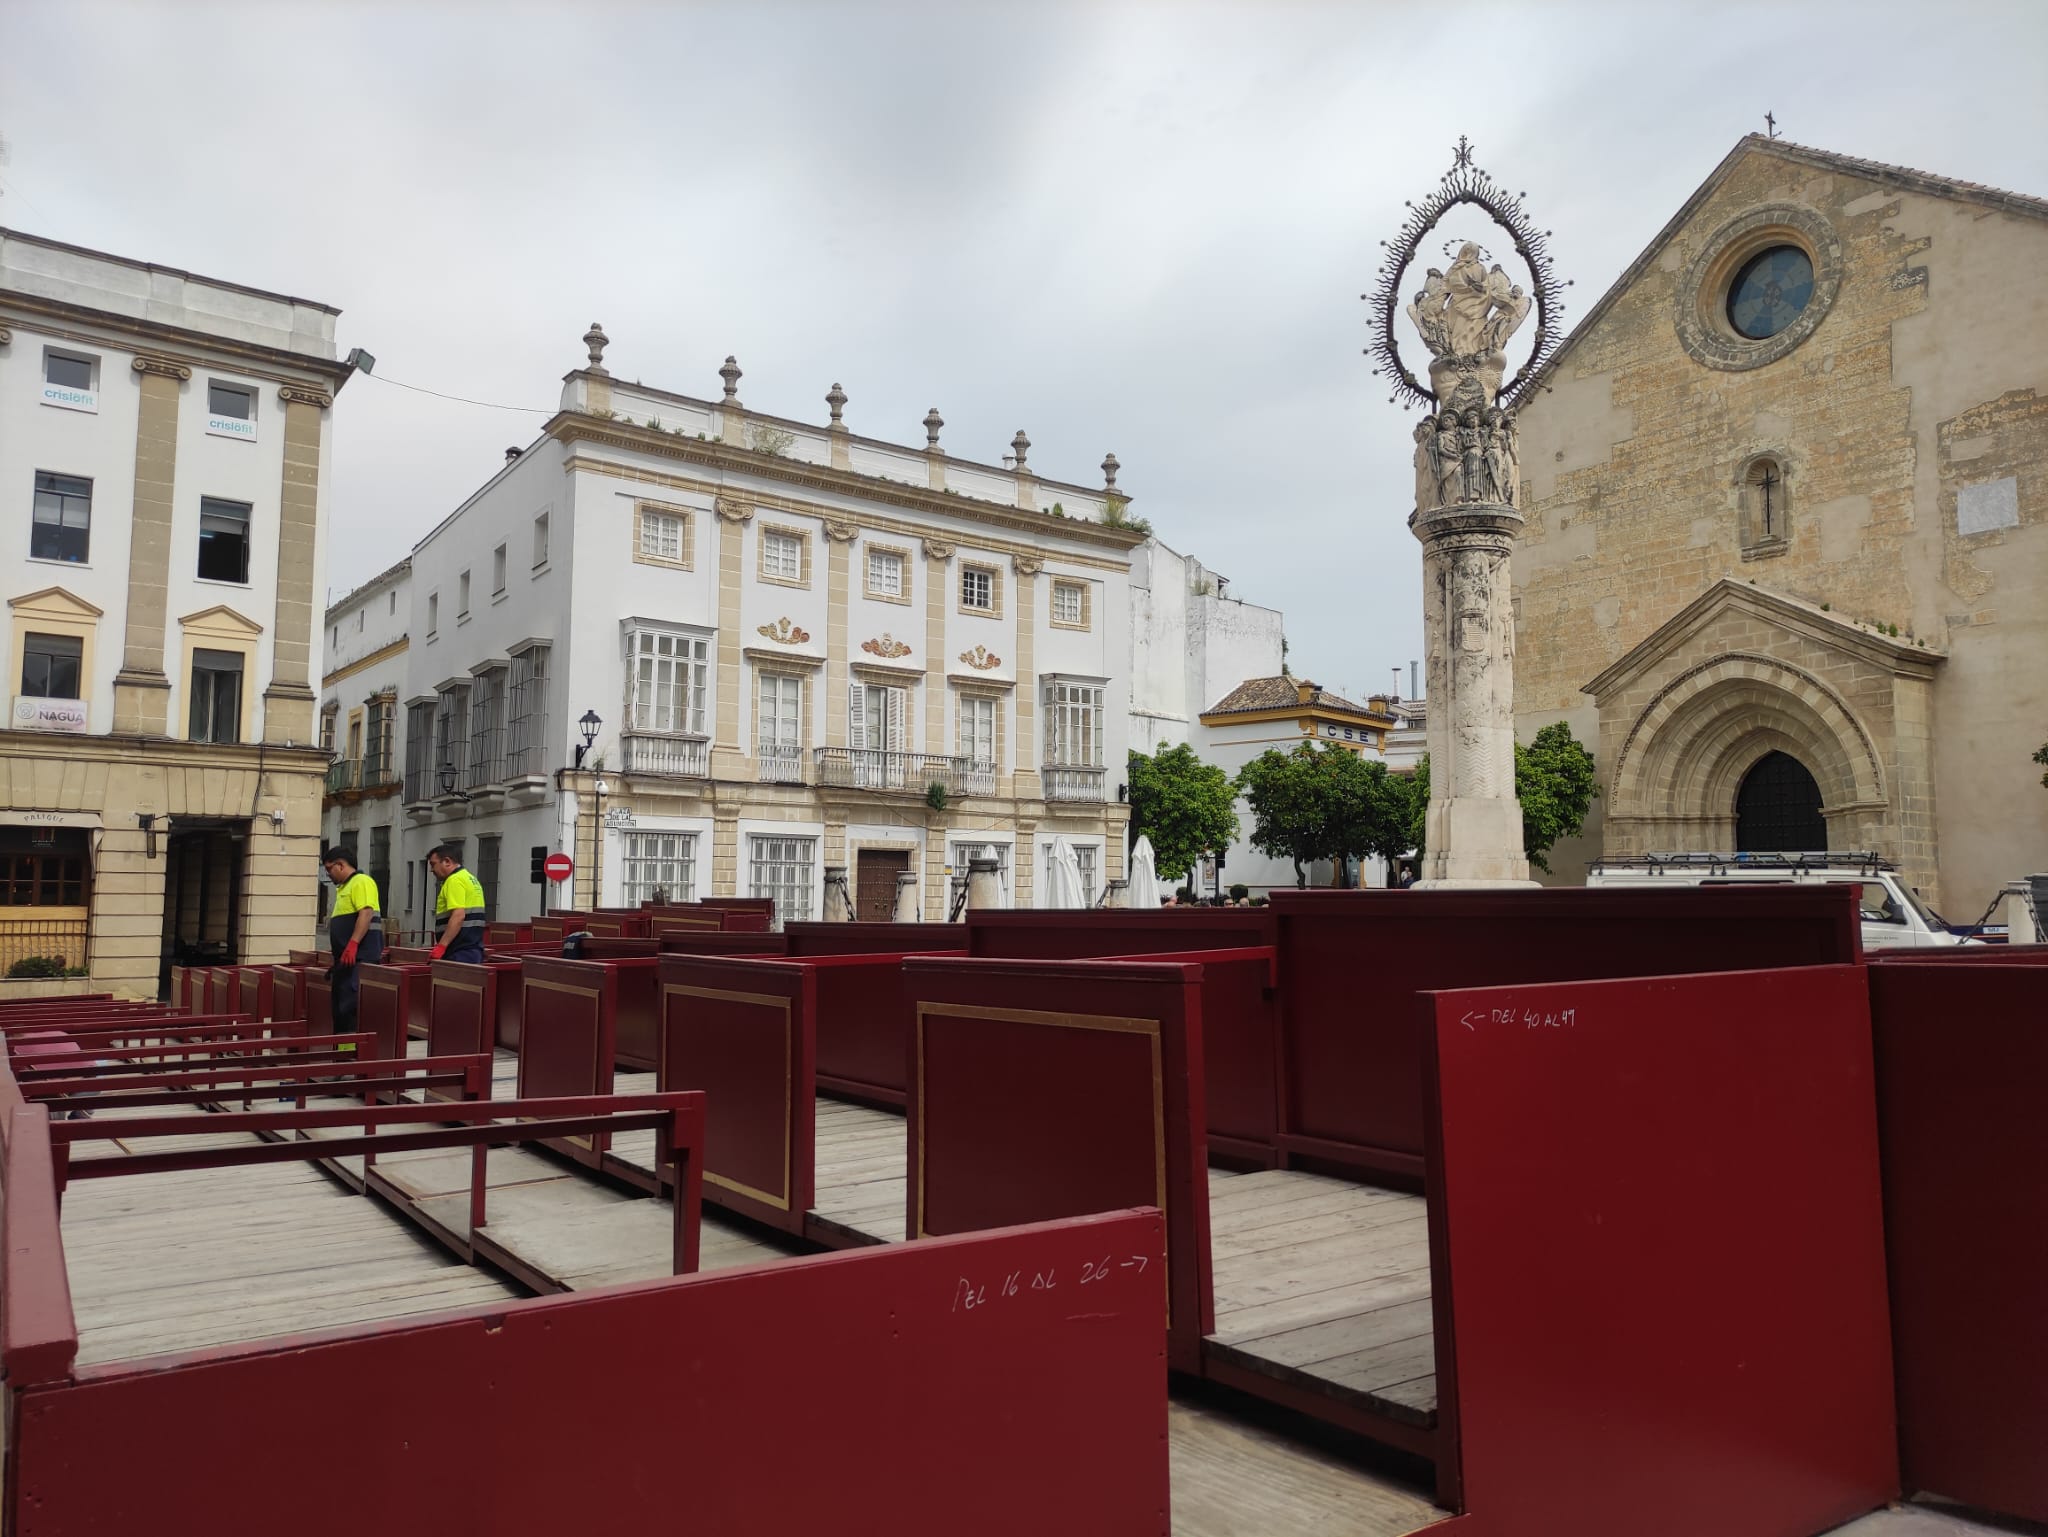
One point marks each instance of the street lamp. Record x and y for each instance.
(591, 723)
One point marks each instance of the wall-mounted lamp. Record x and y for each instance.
(592, 723)
(146, 820)
(448, 782)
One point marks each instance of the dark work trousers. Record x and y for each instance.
(468, 946)
(342, 979)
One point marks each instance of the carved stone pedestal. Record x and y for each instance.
(1474, 828)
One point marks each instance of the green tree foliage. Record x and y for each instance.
(1182, 804)
(1554, 781)
(2042, 757)
(1323, 803)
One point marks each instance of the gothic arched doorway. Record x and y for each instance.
(1778, 808)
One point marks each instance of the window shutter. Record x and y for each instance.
(857, 717)
(898, 708)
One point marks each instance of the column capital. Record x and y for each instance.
(145, 364)
(304, 395)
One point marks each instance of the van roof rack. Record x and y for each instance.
(1862, 861)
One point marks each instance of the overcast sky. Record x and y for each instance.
(1141, 228)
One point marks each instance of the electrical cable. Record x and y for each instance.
(488, 405)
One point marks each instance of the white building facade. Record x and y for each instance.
(792, 650)
(361, 724)
(162, 539)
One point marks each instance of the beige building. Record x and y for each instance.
(1786, 562)
(162, 442)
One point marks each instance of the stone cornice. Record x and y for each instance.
(574, 427)
(197, 348)
(173, 752)
(802, 661)
(1904, 659)
(361, 662)
(304, 395)
(166, 367)
(878, 672)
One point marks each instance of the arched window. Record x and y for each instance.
(1766, 504)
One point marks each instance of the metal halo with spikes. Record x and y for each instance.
(1464, 182)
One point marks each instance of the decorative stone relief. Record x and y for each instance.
(1027, 565)
(937, 549)
(841, 533)
(981, 659)
(732, 510)
(885, 645)
(784, 633)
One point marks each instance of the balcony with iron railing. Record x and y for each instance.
(779, 763)
(360, 776)
(1071, 782)
(678, 757)
(874, 768)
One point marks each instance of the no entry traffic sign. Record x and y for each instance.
(559, 867)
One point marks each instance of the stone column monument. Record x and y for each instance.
(1467, 485)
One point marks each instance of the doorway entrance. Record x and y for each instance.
(874, 885)
(203, 862)
(1777, 808)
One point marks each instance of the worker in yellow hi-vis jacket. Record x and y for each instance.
(355, 932)
(459, 908)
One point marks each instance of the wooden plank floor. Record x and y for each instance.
(1326, 1284)
(176, 1261)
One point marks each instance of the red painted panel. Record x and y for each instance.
(1352, 961)
(872, 938)
(567, 1021)
(460, 1008)
(863, 1025)
(1037, 1412)
(708, 941)
(637, 1041)
(220, 990)
(743, 1031)
(617, 925)
(1962, 1057)
(287, 994)
(253, 991)
(1996, 955)
(1655, 1217)
(384, 1003)
(1051, 1088)
(1111, 931)
(1240, 1053)
(317, 988)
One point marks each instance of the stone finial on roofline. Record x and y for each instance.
(932, 423)
(1020, 446)
(835, 401)
(731, 375)
(596, 341)
(1109, 469)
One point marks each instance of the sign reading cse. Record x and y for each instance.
(559, 867)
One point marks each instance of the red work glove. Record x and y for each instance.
(439, 951)
(348, 953)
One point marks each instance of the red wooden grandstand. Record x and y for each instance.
(1662, 1211)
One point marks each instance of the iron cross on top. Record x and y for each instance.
(1464, 152)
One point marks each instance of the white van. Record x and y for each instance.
(1894, 917)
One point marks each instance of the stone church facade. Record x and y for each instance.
(1786, 558)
